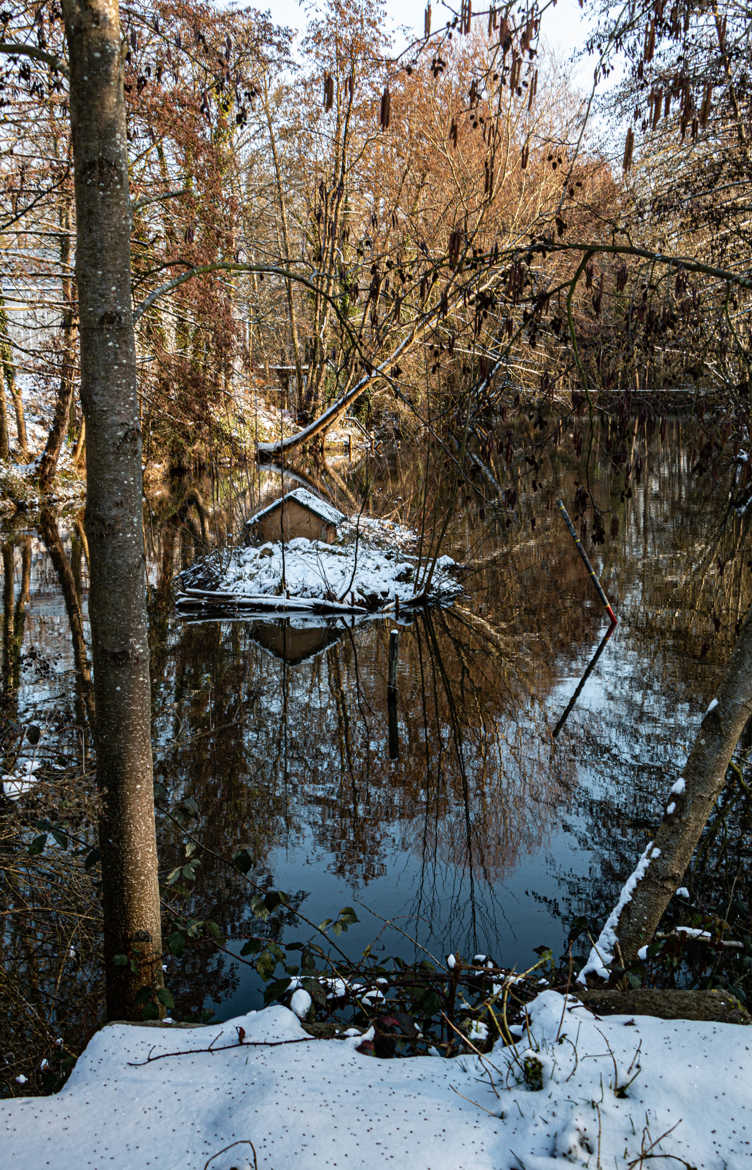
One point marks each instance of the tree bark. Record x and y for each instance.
(66, 579)
(9, 378)
(4, 440)
(114, 520)
(5, 358)
(61, 415)
(704, 777)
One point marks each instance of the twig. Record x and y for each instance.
(222, 1048)
(647, 1153)
(477, 1104)
(478, 1053)
(241, 1142)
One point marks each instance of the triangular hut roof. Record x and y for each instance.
(307, 500)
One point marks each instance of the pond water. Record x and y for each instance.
(471, 827)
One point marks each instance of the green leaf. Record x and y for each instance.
(164, 995)
(92, 858)
(38, 844)
(242, 861)
(273, 899)
(252, 947)
(174, 876)
(258, 906)
(213, 929)
(265, 965)
(189, 806)
(275, 990)
(61, 837)
(176, 943)
(120, 960)
(317, 992)
(347, 917)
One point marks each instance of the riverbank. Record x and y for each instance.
(258, 1092)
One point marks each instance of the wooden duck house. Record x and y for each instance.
(298, 514)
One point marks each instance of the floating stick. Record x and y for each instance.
(588, 566)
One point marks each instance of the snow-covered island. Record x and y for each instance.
(361, 564)
(618, 1093)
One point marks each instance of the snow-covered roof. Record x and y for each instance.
(307, 500)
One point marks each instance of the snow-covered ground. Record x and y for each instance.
(367, 567)
(615, 1092)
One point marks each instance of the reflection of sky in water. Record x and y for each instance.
(511, 922)
(234, 723)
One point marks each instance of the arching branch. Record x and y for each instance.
(18, 49)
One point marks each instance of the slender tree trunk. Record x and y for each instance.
(703, 779)
(4, 440)
(61, 416)
(9, 568)
(5, 358)
(287, 254)
(66, 579)
(80, 449)
(9, 379)
(114, 521)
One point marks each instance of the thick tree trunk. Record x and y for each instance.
(688, 807)
(117, 598)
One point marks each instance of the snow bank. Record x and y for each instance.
(573, 1090)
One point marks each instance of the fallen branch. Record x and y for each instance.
(241, 1042)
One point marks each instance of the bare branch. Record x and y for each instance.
(18, 49)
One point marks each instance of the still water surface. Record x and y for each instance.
(479, 831)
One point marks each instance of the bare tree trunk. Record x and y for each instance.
(689, 805)
(287, 254)
(61, 416)
(9, 379)
(4, 440)
(54, 545)
(5, 358)
(114, 521)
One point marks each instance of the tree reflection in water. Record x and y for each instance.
(486, 833)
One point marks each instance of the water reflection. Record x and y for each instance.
(512, 801)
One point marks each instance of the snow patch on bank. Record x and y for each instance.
(574, 1090)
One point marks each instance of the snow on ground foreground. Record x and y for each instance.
(367, 568)
(612, 1093)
